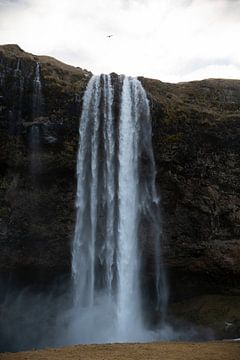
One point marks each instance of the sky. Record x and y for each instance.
(170, 40)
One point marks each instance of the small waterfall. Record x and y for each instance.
(34, 144)
(20, 88)
(17, 70)
(37, 101)
(34, 131)
(117, 215)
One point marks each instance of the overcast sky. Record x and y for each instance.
(171, 40)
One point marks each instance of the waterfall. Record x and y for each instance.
(34, 145)
(117, 216)
(128, 300)
(34, 130)
(18, 90)
(37, 101)
(17, 70)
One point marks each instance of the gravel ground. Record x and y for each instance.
(152, 351)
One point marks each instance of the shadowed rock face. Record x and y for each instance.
(196, 139)
(37, 165)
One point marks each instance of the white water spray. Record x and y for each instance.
(128, 299)
(37, 102)
(116, 200)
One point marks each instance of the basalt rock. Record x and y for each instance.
(196, 133)
(37, 182)
(196, 140)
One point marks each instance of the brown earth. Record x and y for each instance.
(154, 351)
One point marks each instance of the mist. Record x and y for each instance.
(34, 320)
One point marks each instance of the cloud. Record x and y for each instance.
(161, 39)
(6, 4)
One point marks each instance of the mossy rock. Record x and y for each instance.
(221, 313)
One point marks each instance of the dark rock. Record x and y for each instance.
(37, 182)
(221, 313)
(196, 139)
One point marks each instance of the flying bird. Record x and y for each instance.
(109, 36)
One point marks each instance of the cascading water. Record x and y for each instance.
(34, 144)
(17, 91)
(34, 130)
(17, 70)
(117, 215)
(37, 102)
(128, 296)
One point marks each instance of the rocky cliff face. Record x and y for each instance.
(37, 163)
(196, 139)
(196, 134)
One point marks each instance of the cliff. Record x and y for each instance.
(196, 133)
(37, 183)
(196, 136)
(196, 140)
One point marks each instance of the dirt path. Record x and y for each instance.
(153, 351)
